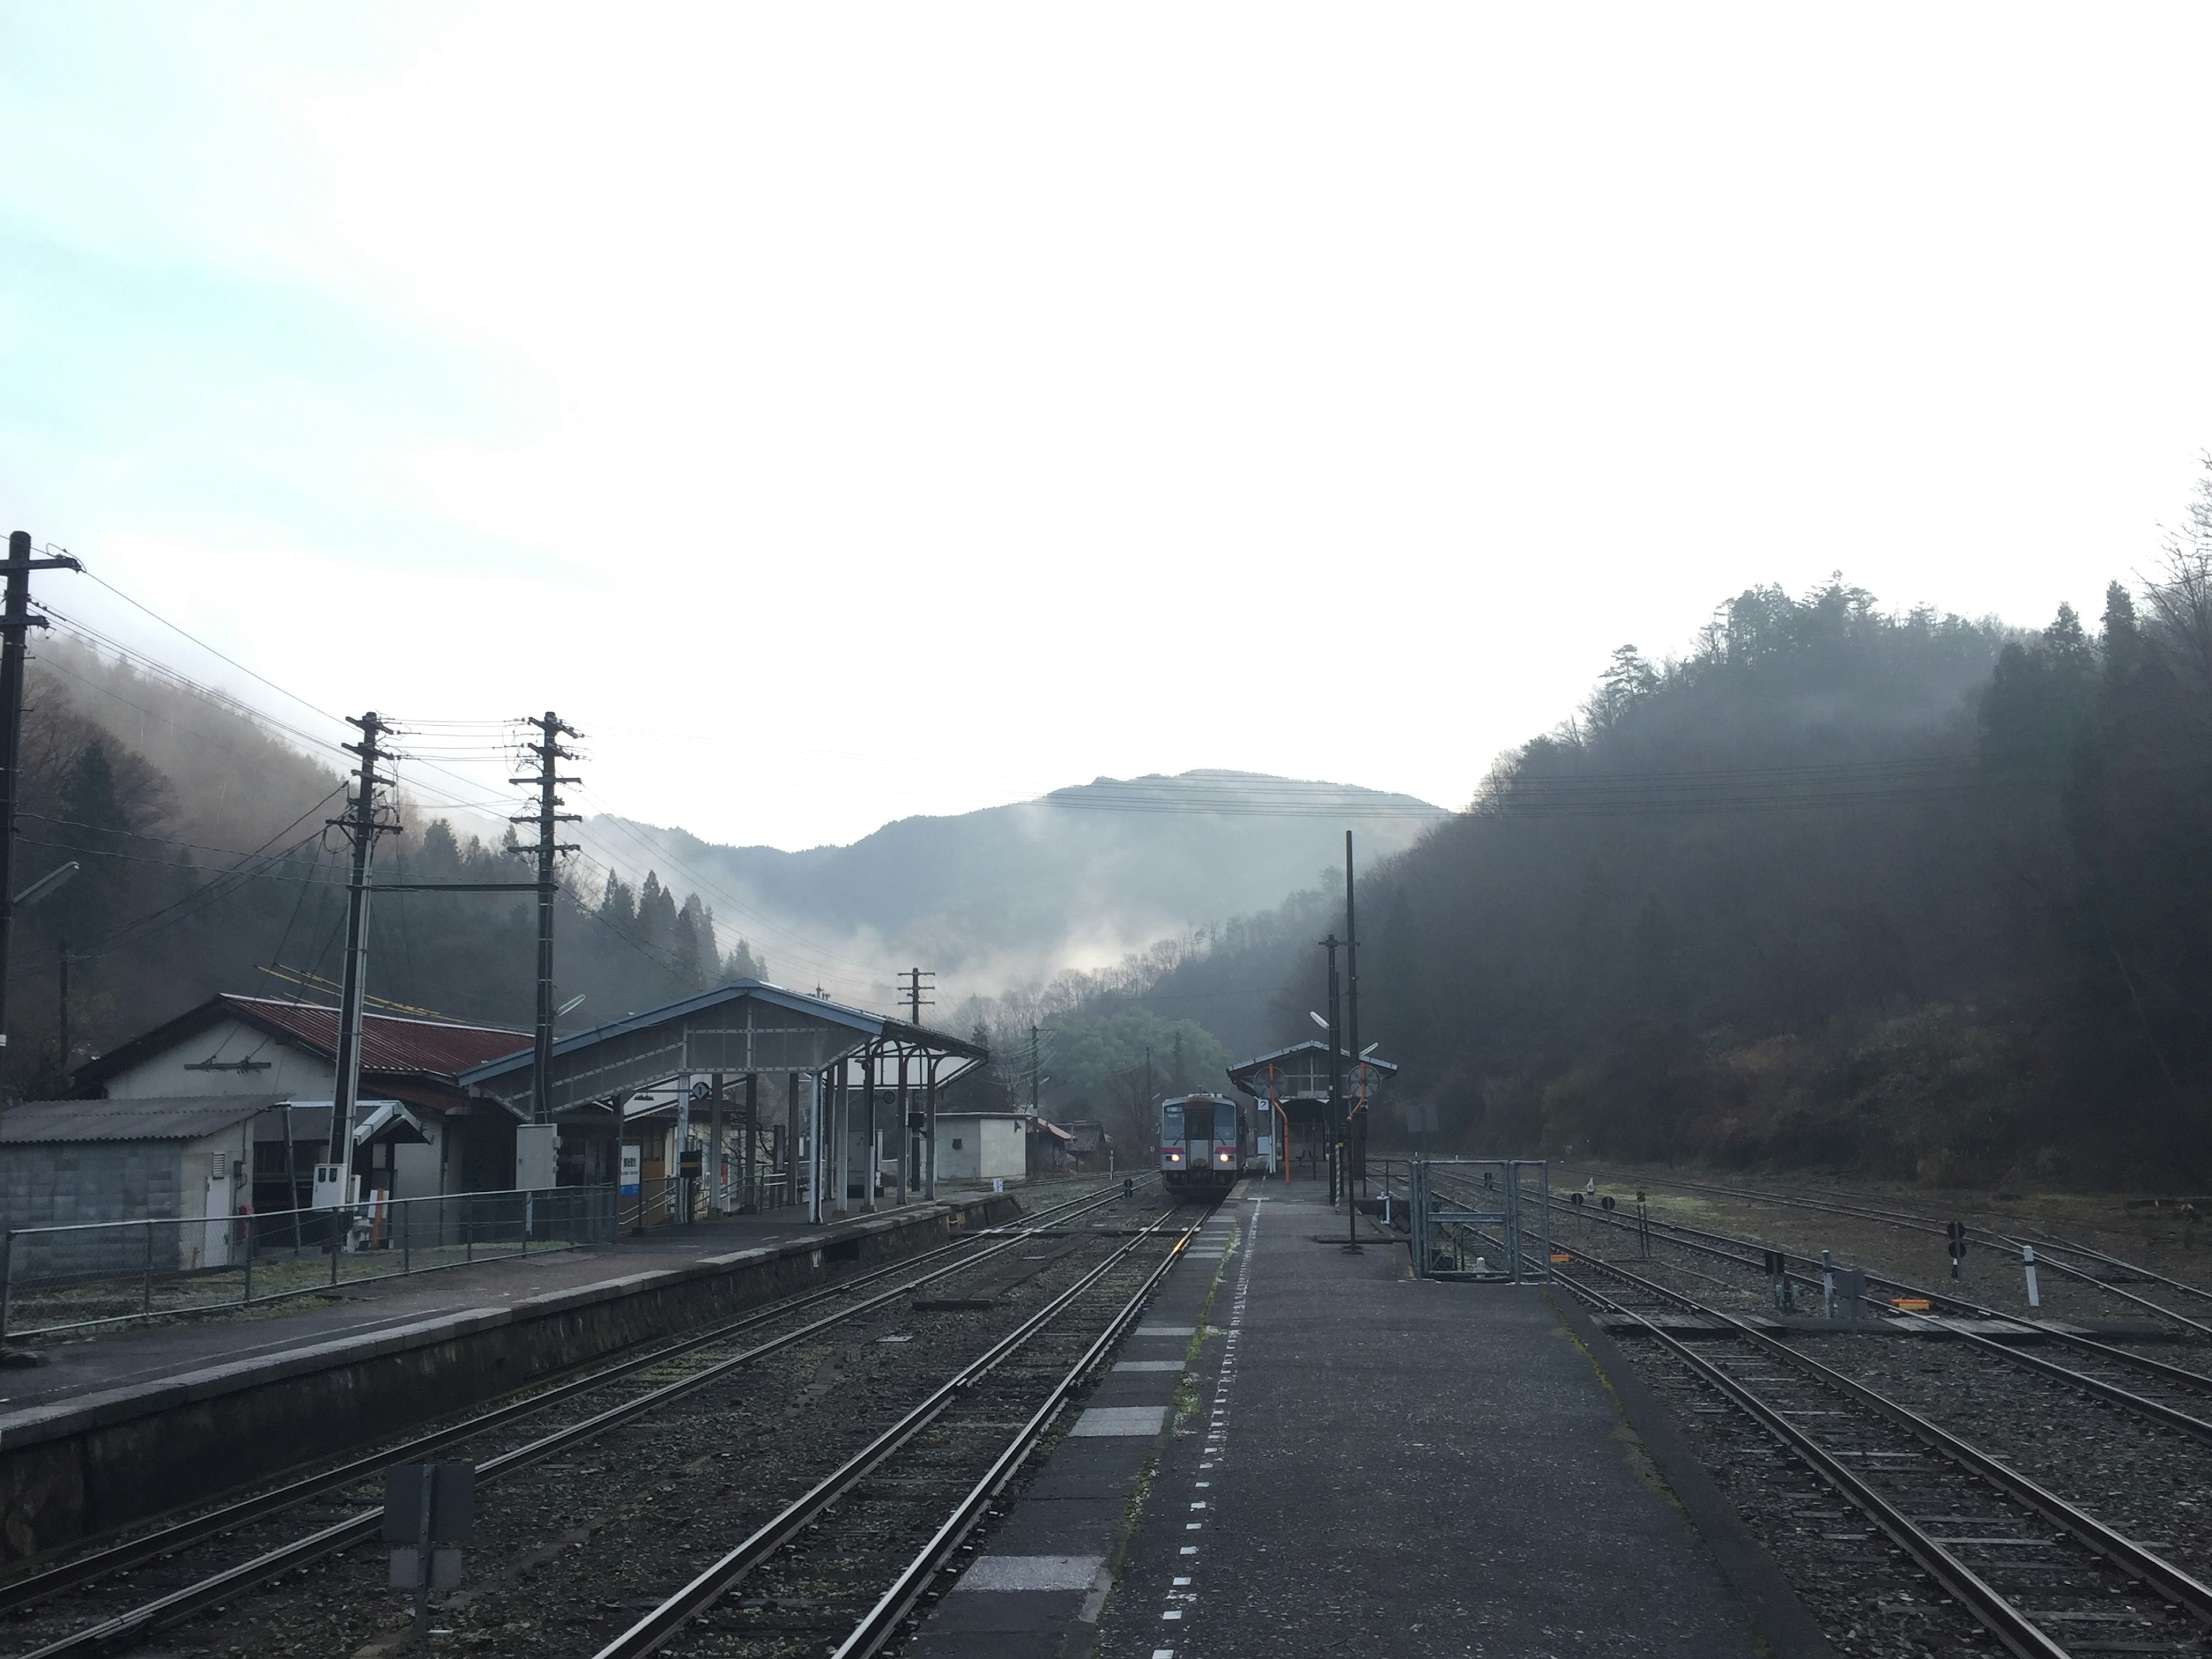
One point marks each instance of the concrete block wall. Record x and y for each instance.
(71, 1183)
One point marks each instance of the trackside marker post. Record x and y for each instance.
(2028, 1263)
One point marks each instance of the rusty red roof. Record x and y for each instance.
(388, 1044)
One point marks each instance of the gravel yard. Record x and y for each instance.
(567, 1552)
(2150, 1482)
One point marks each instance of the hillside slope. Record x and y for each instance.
(1011, 895)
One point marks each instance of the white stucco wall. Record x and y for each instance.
(990, 1148)
(291, 1071)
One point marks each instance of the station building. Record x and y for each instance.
(417, 1131)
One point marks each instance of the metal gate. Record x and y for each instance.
(1485, 1219)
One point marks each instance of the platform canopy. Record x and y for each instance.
(746, 1026)
(1299, 1074)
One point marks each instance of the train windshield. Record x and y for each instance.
(1225, 1119)
(1172, 1123)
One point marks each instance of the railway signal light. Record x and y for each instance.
(1956, 1231)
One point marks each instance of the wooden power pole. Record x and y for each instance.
(16, 620)
(550, 754)
(360, 826)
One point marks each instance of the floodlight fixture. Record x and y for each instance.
(52, 881)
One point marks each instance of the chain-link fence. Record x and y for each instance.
(63, 1278)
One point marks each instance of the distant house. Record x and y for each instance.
(418, 1131)
(1048, 1144)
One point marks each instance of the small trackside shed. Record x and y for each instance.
(981, 1146)
(190, 1161)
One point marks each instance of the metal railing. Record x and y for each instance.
(108, 1272)
(678, 1199)
(1460, 1208)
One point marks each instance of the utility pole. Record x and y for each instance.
(1033, 1071)
(1352, 1019)
(916, 1001)
(64, 965)
(1336, 1070)
(361, 825)
(549, 753)
(16, 619)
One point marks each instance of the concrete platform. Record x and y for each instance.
(80, 1363)
(135, 1426)
(1362, 1462)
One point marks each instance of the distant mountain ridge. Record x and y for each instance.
(1009, 896)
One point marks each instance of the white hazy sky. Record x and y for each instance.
(843, 412)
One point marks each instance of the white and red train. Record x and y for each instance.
(1207, 1143)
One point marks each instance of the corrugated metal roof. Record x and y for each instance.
(859, 1020)
(1308, 1061)
(50, 1122)
(389, 1043)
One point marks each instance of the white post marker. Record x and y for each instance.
(2028, 1262)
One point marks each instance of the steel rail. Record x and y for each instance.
(115, 1634)
(2052, 1242)
(2095, 1385)
(1870, 1206)
(892, 1609)
(2177, 1586)
(2019, 1635)
(2180, 1375)
(652, 1631)
(1921, 1224)
(31, 1588)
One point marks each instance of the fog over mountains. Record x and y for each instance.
(1009, 896)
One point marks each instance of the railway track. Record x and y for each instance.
(2170, 1396)
(607, 1399)
(2041, 1575)
(2043, 1242)
(927, 1480)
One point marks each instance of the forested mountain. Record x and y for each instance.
(205, 866)
(1010, 895)
(1910, 894)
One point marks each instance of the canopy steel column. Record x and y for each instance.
(842, 1133)
(929, 1131)
(873, 1145)
(715, 1183)
(905, 1129)
(752, 1133)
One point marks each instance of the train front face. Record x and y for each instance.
(1200, 1145)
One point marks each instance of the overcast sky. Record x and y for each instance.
(846, 412)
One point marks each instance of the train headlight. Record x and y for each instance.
(1174, 1158)
(1224, 1157)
